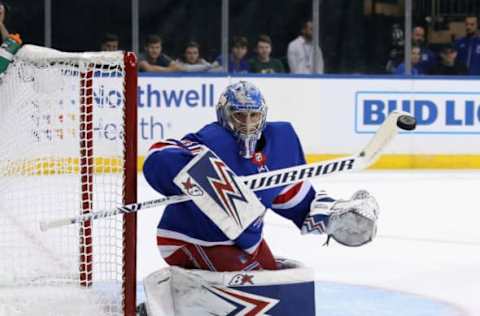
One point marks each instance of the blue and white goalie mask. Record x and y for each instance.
(241, 109)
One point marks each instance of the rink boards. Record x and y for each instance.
(333, 116)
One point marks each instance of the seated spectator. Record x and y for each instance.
(110, 42)
(263, 63)
(416, 57)
(427, 56)
(237, 62)
(449, 65)
(468, 47)
(153, 59)
(396, 52)
(3, 29)
(300, 52)
(191, 60)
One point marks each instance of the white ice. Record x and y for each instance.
(428, 242)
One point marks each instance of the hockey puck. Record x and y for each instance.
(406, 122)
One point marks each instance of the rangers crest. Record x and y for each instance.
(191, 189)
(218, 192)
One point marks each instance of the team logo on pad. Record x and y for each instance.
(219, 193)
(191, 188)
(242, 303)
(218, 181)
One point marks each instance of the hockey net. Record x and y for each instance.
(68, 147)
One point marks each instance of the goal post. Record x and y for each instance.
(68, 128)
(130, 195)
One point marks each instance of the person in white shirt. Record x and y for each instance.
(191, 61)
(300, 52)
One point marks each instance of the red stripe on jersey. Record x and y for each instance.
(286, 196)
(162, 144)
(218, 258)
(170, 241)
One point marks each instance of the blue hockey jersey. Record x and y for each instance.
(468, 49)
(186, 222)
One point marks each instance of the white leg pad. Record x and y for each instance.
(198, 292)
(158, 293)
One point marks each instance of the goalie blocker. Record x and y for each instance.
(176, 291)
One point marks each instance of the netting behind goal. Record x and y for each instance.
(68, 135)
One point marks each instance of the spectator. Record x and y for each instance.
(237, 62)
(427, 56)
(300, 52)
(396, 50)
(3, 30)
(416, 58)
(153, 59)
(468, 47)
(263, 63)
(11, 43)
(110, 42)
(449, 65)
(191, 60)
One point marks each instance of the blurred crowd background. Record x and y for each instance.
(268, 36)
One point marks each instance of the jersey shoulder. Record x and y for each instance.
(209, 133)
(218, 139)
(283, 144)
(280, 128)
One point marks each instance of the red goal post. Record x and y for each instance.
(55, 160)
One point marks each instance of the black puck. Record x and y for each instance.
(406, 122)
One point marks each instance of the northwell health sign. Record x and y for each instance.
(332, 115)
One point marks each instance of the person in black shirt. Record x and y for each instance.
(154, 60)
(449, 64)
(110, 42)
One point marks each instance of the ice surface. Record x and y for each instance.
(428, 242)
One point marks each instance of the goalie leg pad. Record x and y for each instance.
(288, 291)
(158, 293)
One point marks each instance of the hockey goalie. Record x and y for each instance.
(219, 262)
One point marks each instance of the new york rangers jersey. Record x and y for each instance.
(279, 148)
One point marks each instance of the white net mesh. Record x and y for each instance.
(62, 154)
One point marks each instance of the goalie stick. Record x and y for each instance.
(261, 181)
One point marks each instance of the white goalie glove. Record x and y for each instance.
(350, 222)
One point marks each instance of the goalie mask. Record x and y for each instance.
(241, 109)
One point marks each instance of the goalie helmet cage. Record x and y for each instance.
(68, 128)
